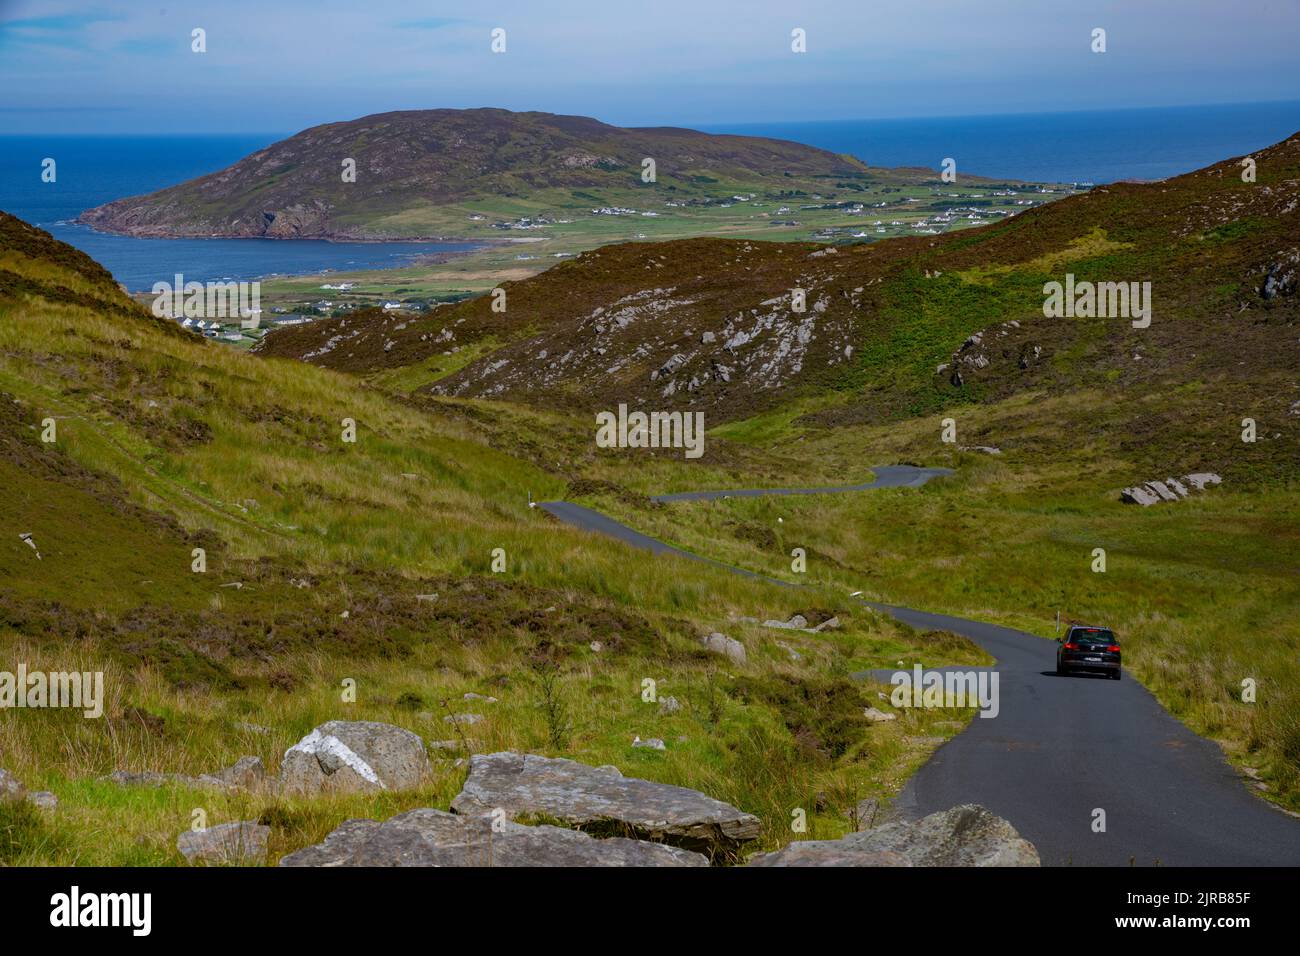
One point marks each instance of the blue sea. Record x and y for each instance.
(93, 170)
(1089, 147)
(1083, 147)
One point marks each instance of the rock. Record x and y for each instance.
(351, 756)
(452, 745)
(43, 799)
(876, 716)
(462, 719)
(247, 773)
(428, 837)
(483, 697)
(1139, 495)
(967, 835)
(653, 743)
(798, 621)
(11, 788)
(145, 778)
(794, 655)
(669, 705)
(596, 646)
(721, 644)
(583, 796)
(1171, 489)
(239, 844)
(254, 729)
(830, 624)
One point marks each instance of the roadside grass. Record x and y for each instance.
(1203, 593)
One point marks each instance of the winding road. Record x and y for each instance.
(1061, 748)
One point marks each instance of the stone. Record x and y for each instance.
(237, 844)
(876, 716)
(652, 743)
(247, 773)
(354, 756)
(966, 835)
(1171, 489)
(462, 719)
(721, 644)
(11, 788)
(583, 796)
(428, 837)
(483, 697)
(830, 624)
(43, 799)
(669, 705)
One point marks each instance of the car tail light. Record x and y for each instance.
(1114, 648)
(1071, 647)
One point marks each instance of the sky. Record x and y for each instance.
(270, 66)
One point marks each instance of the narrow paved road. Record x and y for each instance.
(1061, 748)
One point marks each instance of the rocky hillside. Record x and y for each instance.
(411, 161)
(890, 329)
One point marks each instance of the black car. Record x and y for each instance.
(1085, 648)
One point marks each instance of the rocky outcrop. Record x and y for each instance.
(1171, 489)
(428, 837)
(354, 756)
(602, 798)
(728, 647)
(966, 835)
(247, 773)
(228, 844)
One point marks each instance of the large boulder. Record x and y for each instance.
(967, 835)
(240, 844)
(344, 756)
(429, 837)
(602, 798)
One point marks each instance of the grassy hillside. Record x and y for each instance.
(322, 556)
(920, 330)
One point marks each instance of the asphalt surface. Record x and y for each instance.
(1060, 748)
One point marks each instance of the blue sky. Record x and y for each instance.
(77, 67)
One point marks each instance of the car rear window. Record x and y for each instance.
(1093, 635)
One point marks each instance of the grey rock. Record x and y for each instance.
(428, 837)
(247, 773)
(43, 799)
(580, 795)
(651, 743)
(462, 718)
(1171, 489)
(721, 644)
(669, 705)
(11, 788)
(830, 624)
(878, 716)
(483, 697)
(344, 756)
(240, 844)
(966, 835)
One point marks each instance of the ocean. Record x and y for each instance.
(93, 170)
(1086, 147)
(1091, 147)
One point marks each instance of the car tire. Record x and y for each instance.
(1060, 671)
(1115, 676)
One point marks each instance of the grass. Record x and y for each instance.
(317, 550)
